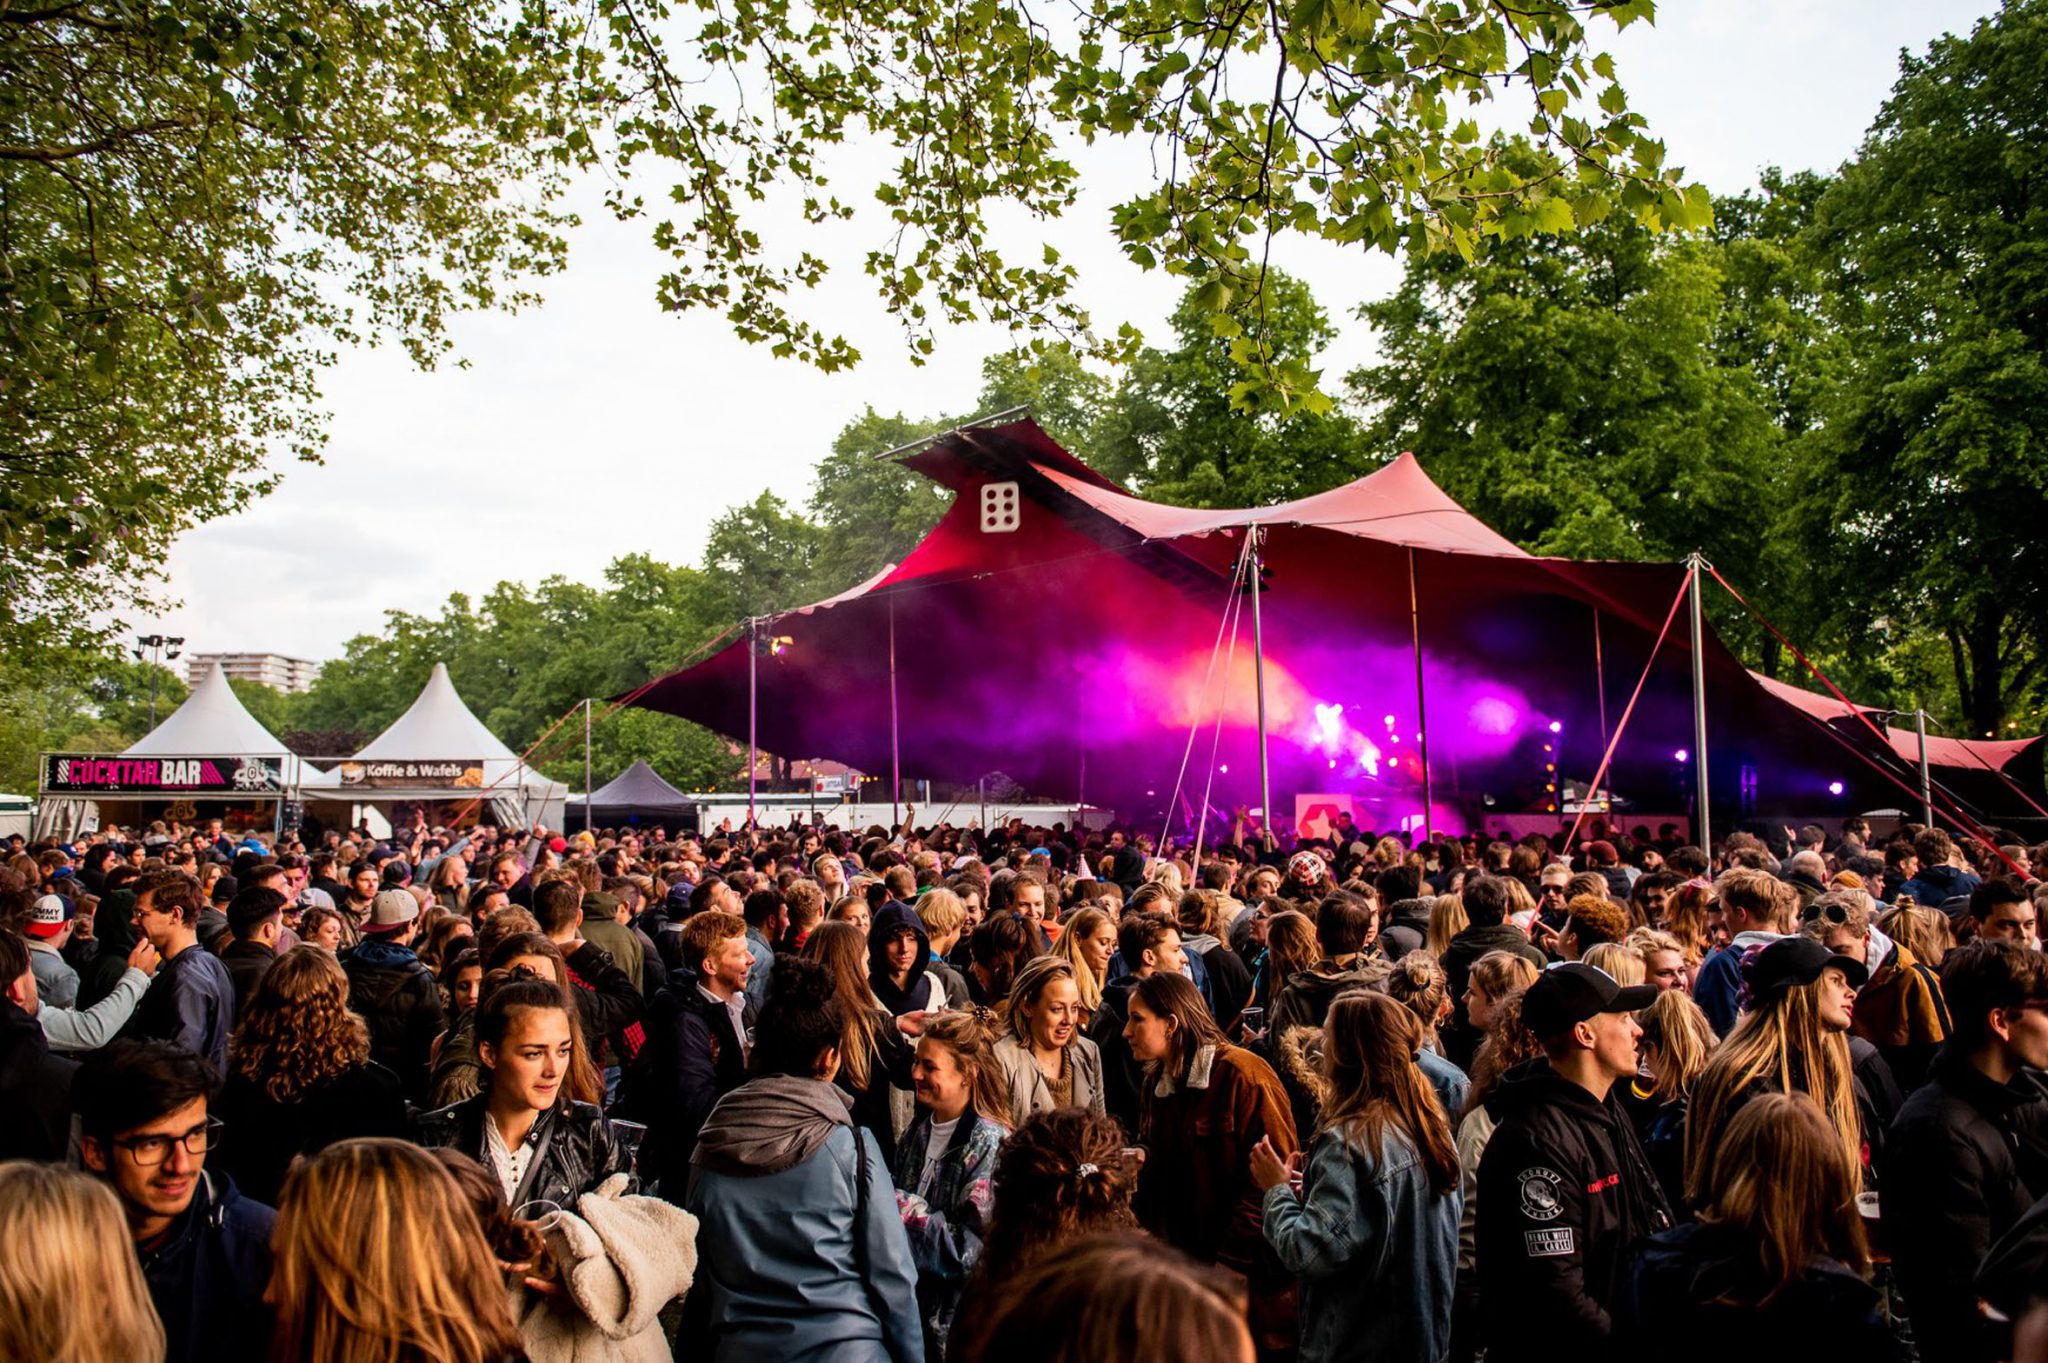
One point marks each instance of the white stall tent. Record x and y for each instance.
(212, 722)
(440, 728)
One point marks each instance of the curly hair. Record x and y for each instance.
(1065, 1173)
(298, 1030)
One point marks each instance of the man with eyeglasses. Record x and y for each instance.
(144, 1125)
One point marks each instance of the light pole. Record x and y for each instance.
(157, 647)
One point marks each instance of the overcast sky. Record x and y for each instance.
(595, 425)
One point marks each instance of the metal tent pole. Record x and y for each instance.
(895, 747)
(586, 764)
(1259, 678)
(1599, 679)
(1926, 778)
(753, 712)
(1421, 707)
(1697, 565)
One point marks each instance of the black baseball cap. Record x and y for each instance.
(1566, 995)
(1791, 961)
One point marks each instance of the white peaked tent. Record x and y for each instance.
(211, 724)
(212, 720)
(439, 727)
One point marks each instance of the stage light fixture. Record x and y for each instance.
(1681, 756)
(1835, 788)
(1557, 726)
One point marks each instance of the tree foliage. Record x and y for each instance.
(198, 204)
(1928, 481)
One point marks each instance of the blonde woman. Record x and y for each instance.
(380, 1258)
(1045, 1059)
(1419, 984)
(1795, 1037)
(1447, 918)
(71, 1288)
(1676, 1044)
(1624, 963)
(1087, 941)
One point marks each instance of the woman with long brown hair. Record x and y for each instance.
(1290, 947)
(1795, 1037)
(71, 1288)
(874, 1053)
(300, 1075)
(457, 1075)
(1376, 1219)
(1204, 1105)
(1774, 1266)
(379, 1259)
(546, 1148)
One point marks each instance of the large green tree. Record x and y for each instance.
(199, 203)
(1924, 490)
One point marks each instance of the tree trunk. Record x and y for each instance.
(1980, 669)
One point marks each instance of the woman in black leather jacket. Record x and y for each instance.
(544, 1148)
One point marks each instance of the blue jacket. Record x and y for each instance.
(777, 1255)
(1376, 1249)
(192, 1002)
(1935, 885)
(1718, 988)
(208, 1275)
(757, 973)
(1451, 1085)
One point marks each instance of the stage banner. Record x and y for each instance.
(1316, 815)
(85, 774)
(461, 773)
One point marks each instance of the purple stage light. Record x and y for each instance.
(1835, 788)
(1225, 769)
(1557, 726)
(1681, 756)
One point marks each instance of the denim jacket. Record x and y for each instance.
(1376, 1249)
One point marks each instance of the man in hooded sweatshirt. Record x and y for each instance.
(1407, 925)
(899, 962)
(394, 991)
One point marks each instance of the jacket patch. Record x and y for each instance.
(1540, 1201)
(1548, 1244)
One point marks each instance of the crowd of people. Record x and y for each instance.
(1020, 1093)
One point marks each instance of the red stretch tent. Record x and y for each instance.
(1057, 629)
